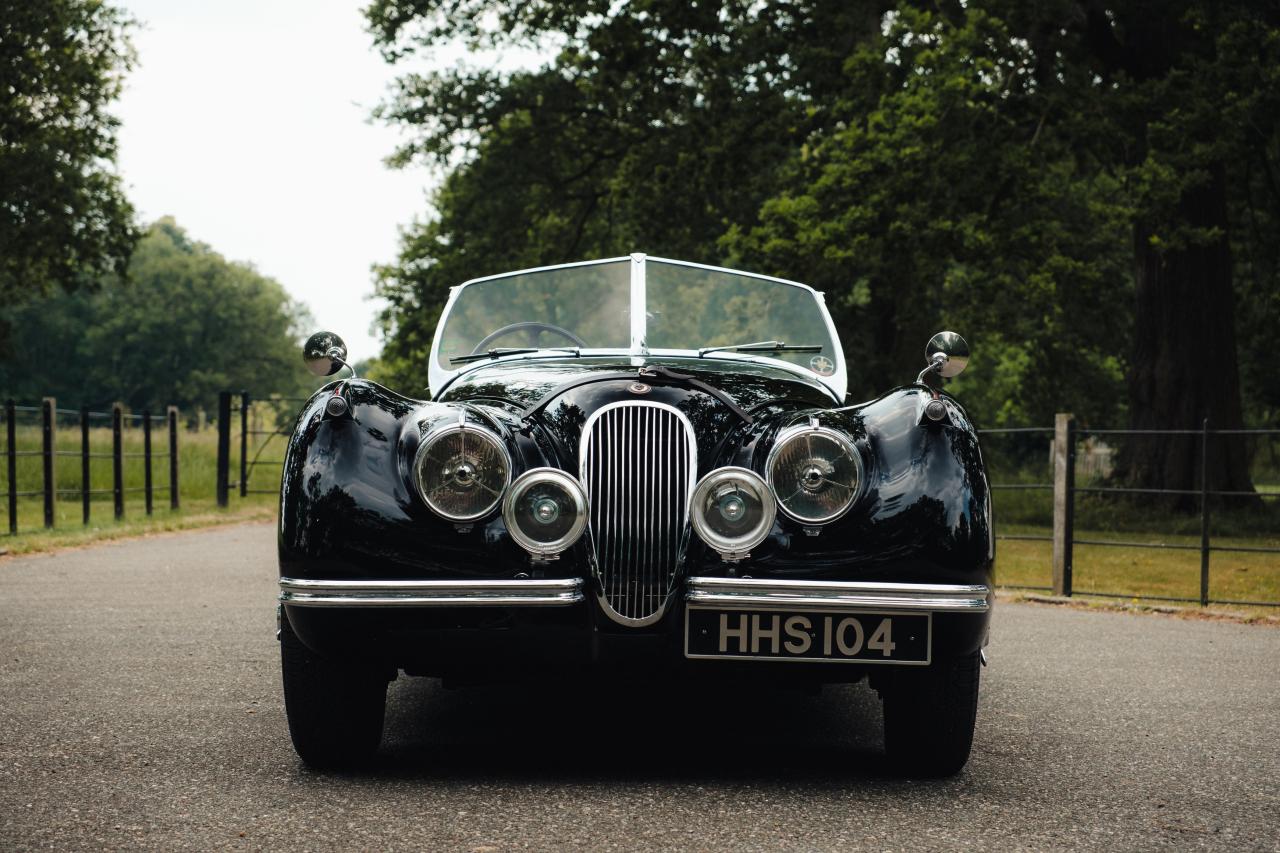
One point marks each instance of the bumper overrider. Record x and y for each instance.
(742, 593)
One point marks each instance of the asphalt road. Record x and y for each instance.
(140, 708)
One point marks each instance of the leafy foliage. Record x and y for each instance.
(186, 325)
(992, 166)
(63, 215)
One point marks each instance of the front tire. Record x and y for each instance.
(929, 716)
(335, 709)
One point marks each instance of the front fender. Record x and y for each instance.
(348, 504)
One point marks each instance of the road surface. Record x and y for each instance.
(140, 708)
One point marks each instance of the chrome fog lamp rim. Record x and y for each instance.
(522, 484)
(738, 547)
(792, 433)
(482, 434)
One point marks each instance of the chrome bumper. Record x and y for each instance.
(762, 593)
(482, 593)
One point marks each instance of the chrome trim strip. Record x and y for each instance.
(430, 593)
(765, 593)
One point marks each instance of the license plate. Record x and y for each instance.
(802, 635)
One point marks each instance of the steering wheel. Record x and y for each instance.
(531, 326)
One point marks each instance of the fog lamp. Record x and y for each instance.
(732, 511)
(545, 511)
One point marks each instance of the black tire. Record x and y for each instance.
(929, 716)
(335, 709)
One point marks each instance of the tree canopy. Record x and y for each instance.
(186, 325)
(64, 219)
(1084, 188)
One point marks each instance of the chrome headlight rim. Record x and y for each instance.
(430, 439)
(792, 432)
(521, 484)
(732, 548)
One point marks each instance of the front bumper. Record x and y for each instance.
(430, 593)
(742, 593)
(773, 594)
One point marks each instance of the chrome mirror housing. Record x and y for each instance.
(947, 353)
(324, 353)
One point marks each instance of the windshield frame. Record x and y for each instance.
(439, 377)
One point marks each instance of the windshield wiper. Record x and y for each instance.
(501, 351)
(763, 346)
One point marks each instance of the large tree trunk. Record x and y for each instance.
(1184, 365)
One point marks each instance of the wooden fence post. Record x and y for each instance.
(244, 443)
(146, 457)
(1204, 514)
(1064, 476)
(173, 456)
(84, 462)
(224, 444)
(11, 463)
(49, 434)
(117, 458)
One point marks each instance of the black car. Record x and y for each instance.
(635, 467)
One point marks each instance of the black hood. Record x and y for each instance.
(523, 384)
(719, 397)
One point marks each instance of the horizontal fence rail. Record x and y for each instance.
(1065, 436)
(258, 427)
(46, 416)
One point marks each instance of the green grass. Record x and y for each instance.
(1144, 571)
(197, 473)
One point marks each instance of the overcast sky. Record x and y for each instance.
(247, 121)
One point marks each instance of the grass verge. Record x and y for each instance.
(195, 513)
(1145, 573)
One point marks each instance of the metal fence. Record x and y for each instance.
(257, 424)
(47, 415)
(1066, 436)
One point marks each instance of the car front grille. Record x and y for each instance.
(638, 461)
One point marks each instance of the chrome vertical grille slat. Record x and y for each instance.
(637, 462)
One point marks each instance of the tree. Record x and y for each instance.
(1064, 180)
(652, 129)
(64, 219)
(187, 325)
(1034, 146)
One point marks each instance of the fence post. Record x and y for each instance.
(49, 434)
(244, 443)
(172, 416)
(224, 444)
(11, 463)
(146, 457)
(1204, 514)
(84, 462)
(1064, 484)
(117, 458)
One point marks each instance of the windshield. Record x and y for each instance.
(687, 308)
(693, 308)
(583, 306)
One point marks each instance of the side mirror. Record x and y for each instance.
(947, 353)
(324, 353)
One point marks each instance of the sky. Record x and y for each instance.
(248, 123)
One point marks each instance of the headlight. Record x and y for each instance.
(815, 473)
(545, 511)
(732, 511)
(461, 471)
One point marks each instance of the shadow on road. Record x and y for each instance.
(645, 731)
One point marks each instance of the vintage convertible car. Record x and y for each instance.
(636, 468)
